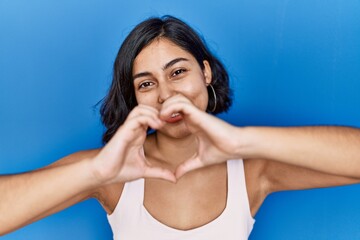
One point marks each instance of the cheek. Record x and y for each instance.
(148, 98)
(204, 99)
(197, 94)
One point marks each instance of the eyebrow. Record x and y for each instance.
(173, 62)
(166, 66)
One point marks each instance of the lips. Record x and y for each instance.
(175, 117)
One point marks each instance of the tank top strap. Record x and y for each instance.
(237, 194)
(134, 191)
(130, 202)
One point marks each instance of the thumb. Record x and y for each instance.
(187, 166)
(160, 173)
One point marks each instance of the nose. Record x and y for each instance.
(165, 91)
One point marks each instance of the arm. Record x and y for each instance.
(264, 177)
(298, 158)
(25, 197)
(275, 159)
(279, 159)
(332, 150)
(30, 196)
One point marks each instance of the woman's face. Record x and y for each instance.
(162, 70)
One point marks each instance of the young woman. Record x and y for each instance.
(195, 176)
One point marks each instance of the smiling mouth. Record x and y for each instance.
(174, 115)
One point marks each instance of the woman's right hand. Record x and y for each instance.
(123, 159)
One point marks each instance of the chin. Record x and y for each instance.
(176, 131)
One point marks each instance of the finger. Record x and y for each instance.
(136, 127)
(160, 173)
(143, 110)
(144, 121)
(147, 110)
(187, 166)
(183, 107)
(150, 108)
(178, 98)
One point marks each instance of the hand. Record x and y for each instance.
(123, 159)
(216, 139)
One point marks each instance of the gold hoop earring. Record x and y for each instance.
(215, 100)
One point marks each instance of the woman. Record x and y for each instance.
(187, 179)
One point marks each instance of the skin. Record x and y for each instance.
(169, 147)
(184, 162)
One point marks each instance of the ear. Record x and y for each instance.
(207, 72)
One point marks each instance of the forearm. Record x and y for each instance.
(25, 197)
(334, 150)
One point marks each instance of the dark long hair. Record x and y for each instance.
(120, 99)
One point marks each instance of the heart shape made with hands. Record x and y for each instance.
(213, 136)
(124, 153)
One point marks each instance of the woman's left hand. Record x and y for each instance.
(217, 140)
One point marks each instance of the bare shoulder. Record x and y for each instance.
(257, 183)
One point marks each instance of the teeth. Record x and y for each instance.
(175, 115)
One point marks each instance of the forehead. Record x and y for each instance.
(157, 54)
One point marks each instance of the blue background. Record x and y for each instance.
(291, 63)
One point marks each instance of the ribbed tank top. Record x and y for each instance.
(131, 221)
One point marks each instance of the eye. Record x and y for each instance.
(145, 85)
(178, 71)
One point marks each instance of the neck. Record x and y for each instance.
(174, 151)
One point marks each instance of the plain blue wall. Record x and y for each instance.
(290, 62)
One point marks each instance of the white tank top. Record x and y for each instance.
(131, 221)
